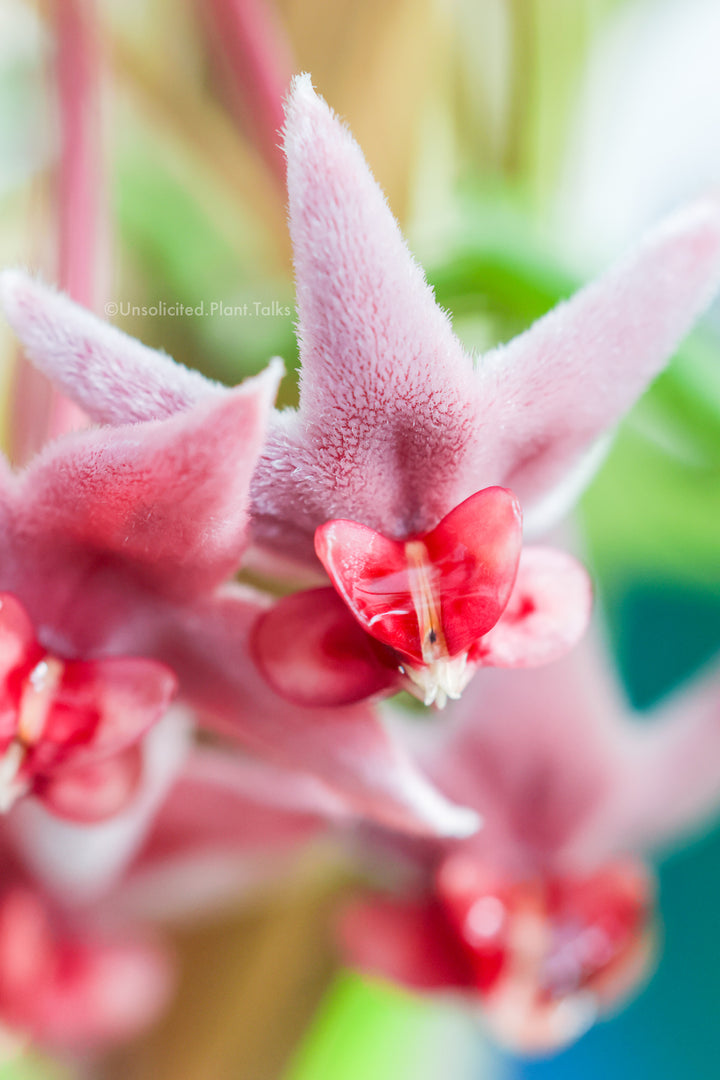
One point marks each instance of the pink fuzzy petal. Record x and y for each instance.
(347, 748)
(409, 942)
(467, 562)
(95, 791)
(228, 823)
(312, 652)
(538, 752)
(667, 777)
(113, 377)
(548, 612)
(168, 499)
(386, 402)
(553, 391)
(228, 826)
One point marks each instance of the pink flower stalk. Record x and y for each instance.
(40, 410)
(398, 468)
(229, 825)
(544, 917)
(80, 167)
(254, 56)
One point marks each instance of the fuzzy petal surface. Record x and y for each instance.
(167, 499)
(556, 389)
(396, 424)
(386, 388)
(112, 376)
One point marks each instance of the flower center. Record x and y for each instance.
(430, 598)
(548, 953)
(36, 700)
(441, 676)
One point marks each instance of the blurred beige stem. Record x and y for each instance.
(250, 987)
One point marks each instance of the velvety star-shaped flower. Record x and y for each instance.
(117, 546)
(407, 464)
(545, 916)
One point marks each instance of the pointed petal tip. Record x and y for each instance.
(267, 381)
(303, 98)
(301, 86)
(305, 109)
(697, 224)
(17, 286)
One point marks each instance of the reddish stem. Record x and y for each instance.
(79, 181)
(255, 58)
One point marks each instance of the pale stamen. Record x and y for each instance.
(35, 704)
(443, 676)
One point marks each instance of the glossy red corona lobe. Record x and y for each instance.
(444, 588)
(425, 612)
(69, 729)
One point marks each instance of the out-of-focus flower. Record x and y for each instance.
(64, 988)
(544, 918)
(397, 428)
(79, 968)
(67, 983)
(71, 727)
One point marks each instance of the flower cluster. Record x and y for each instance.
(397, 491)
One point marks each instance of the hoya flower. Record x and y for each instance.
(117, 544)
(100, 534)
(407, 464)
(544, 919)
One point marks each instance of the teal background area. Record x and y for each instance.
(672, 1030)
